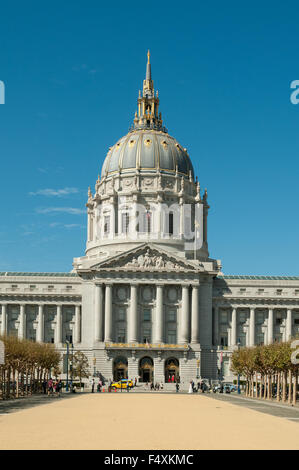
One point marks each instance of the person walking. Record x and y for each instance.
(177, 387)
(190, 387)
(50, 386)
(92, 386)
(44, 384)
(58, 387)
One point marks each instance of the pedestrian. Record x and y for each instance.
(172, 378)
(190, 387)
(177, 387)
(135, 382)
(58, 387)
(92, 386)
(44, 384)
(161, 385)
(50, 386)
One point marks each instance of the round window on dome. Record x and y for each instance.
(148, 142)
(132, 143)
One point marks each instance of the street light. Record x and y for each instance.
(67, 365)
(239, 390)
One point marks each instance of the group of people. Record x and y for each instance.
(51, 386)
(156, 386)
(200, 386)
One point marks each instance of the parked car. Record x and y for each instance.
(122, 384)
(232, 387)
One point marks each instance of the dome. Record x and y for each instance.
(147, 150)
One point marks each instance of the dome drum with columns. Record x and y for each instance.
(146, 175)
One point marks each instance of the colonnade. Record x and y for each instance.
(40, 327)
(188, 323)
(251, 325)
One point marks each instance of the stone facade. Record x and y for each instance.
(146, 300)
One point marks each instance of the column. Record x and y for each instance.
(270, 326)
(234, 328)
(132, 324)
(158, 326)
(59, 324)
(108, 313)
(216, 326)
(4, 320)
(252, 327)
(22, 325)
(98, 330)
(289, 324)
(195, 315)
(40, 325)
(77, 324)
(182, 221)
(184, 323)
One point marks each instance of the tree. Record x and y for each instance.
(80, 366)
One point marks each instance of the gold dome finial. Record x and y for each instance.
(148, 56)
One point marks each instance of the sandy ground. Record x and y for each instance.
(144, 421)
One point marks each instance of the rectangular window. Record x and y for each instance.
(223, 340)
(125, 219)
(121, 314)
(260, 318)
(223, 317)
(147, 222)
(32, 287)
(278, 291)
(171, 337)
(242, 339)
(121, 335)
(146, 335)
(106, 224)
(242, 317)
(146, 315)
(50, 287)
(171, 316)
(170, 223)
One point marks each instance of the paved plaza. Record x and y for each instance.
(115, 421)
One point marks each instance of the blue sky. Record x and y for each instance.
(72, 72)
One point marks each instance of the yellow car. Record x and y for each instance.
(124, 383)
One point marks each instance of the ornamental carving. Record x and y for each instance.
(168, 183)
(147, 259)
(147, 182)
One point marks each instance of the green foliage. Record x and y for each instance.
(267, 359)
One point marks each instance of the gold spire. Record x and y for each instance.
(148, 56)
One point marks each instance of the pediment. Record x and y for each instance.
(146, 258)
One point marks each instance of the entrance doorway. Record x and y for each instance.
(172, 370)
(146, 369)
(120, 368)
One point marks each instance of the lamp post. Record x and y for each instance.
(67, 365)
(239, 390)
(94, 366)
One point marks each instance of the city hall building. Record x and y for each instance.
(147, 300)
